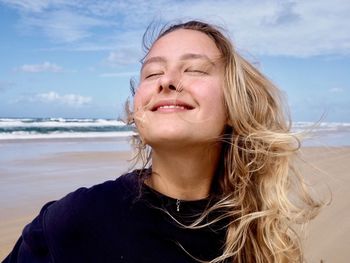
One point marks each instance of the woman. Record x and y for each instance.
(218, 187)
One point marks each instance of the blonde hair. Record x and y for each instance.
(260, 191)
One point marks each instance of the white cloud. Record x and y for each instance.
(123, 56)
(336, 90)
(67, 99)
(27, 5)
(64, 25)
(44, 67)
(267, 27)
(52, 97)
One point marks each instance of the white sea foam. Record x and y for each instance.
(58, 122)
(321, 127)
(56, 128)
(42, 128)
(62, 135)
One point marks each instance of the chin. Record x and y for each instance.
(162, 135)
(175, 141)
(166, 138)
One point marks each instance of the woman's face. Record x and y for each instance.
(179, 101)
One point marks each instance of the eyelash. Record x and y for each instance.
(196, 71)
(152, 75)
(187, 70)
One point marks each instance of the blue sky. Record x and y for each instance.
(74, 58)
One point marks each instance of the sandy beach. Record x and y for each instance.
(34, 172)
(42, 171)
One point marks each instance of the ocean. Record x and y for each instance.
(61, 128)
(324, 133)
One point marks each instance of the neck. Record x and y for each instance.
(184, 174)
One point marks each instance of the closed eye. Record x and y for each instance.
(153, 75)
(197, 71)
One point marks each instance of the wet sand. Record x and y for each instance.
(328, 236)
(27, 181)
(35, 172)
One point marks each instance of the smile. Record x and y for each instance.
(167, 106)
(172, 107)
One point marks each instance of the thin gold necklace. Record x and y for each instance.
(178, 203)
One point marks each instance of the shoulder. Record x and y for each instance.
(62, 223)
(98, 197)
(88, 212)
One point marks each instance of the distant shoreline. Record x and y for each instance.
(111, 137)
(329, 133)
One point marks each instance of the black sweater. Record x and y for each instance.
(118, 221)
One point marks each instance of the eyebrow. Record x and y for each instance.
(187, 56)
(191, 56)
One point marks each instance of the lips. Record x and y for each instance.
(172, 105)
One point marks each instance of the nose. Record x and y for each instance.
(168, 82)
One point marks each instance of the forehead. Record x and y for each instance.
(184, 41)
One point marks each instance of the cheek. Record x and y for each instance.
(138, 112)
(137, 102)
(217, 109)
(211, 96)
(140, 99)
